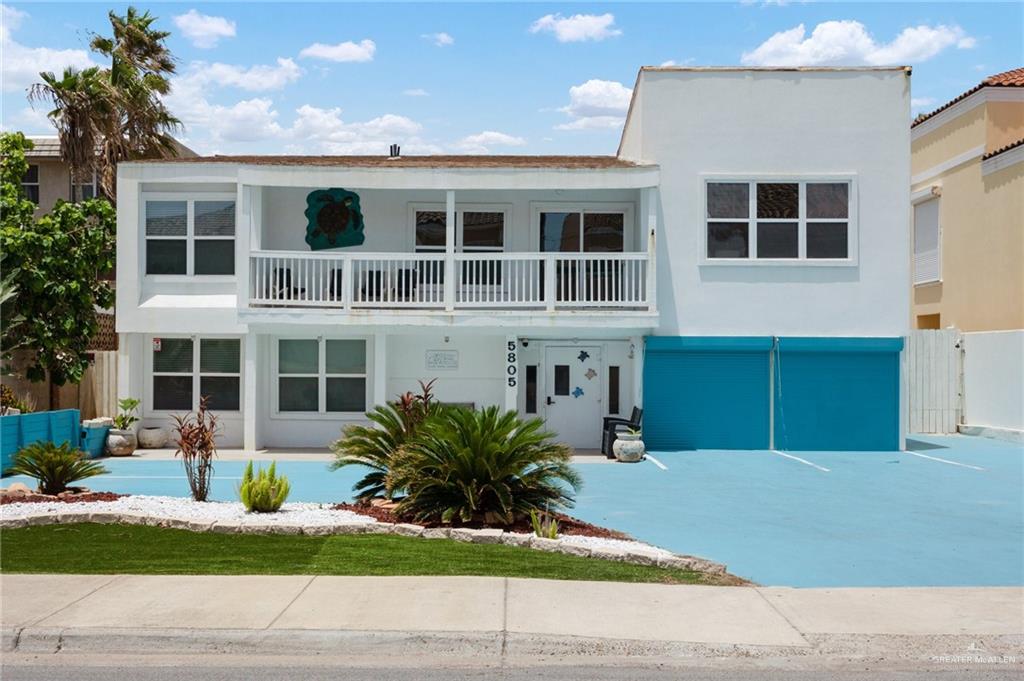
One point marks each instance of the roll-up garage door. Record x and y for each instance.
(837, 394)
(706, 392)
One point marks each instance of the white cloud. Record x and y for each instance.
(673, 62)
(259, 78)
(416, 92)
(920, 102)
(596, 104)
(578, 27)
(21, 65)
(848, 43)
(324, 131)
(441, 39)
(481, 142)
(346, 51)
(202, 30)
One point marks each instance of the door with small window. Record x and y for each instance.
(573, 388)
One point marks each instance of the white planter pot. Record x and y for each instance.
(628, 447)
(121, 442)
(153, 438)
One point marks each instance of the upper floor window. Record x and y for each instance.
(779, 220)
(589, 231)
(927, 261)
(475, 230)
(190, 236)
(30, 183)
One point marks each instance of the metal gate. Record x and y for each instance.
(934, 380)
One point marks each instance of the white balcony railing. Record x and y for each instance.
(430, 281)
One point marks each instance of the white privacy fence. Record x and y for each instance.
(934, 384)
(429, 281)
(965, 381)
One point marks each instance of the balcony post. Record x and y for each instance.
(449, 252)
(652, 248)
(347, 287)
(243, 255)
(549, 281)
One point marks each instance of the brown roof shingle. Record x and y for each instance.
(1007, 147)
(1011, 78)
(455, 161)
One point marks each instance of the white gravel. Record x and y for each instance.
(180, 508)
(291, 515)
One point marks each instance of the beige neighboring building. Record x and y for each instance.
(967, 187)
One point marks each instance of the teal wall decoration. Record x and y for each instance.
(335, 219)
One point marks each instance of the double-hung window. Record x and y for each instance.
(190, 236)
(321, 376)
(30, 183)
(186, 369)
(779, 220)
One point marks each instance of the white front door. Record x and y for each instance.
(572, 387)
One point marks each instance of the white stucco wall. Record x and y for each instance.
(782, 123)
(994, 379)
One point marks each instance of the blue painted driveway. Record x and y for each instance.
(852, 519)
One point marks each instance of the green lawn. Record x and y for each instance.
(131, 549)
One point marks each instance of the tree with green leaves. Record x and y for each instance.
(105, 116)
(59, 259)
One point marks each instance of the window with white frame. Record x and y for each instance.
(582, 230)
(321, 376)
(30, 183)
(190, 236)
(184, 370)
(927, 261)
(478, 229)
(779, 220)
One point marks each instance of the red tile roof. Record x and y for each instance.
(1011, 78)
(1007, 147)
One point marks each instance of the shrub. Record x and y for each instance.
(195, 438)
(375, 446)
(265, 492)
(484, 466)
(127, 417)
(54, 467)
(9, 400)
(544, 525)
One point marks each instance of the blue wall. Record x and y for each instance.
(19, 430)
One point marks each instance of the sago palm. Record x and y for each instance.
(483, 466)
(54, 467)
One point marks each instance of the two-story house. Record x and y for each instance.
(967, 160)
(739, 269)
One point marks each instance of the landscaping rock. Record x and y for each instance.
(318, 530)
(676, 562)
(200, 525)
(487, 536)
(16, 488)
(640, 557)
(544, 544)
(573, 549)
(281, 529)
(609, 553)
(226, 527)
(407, 530)
(69, 518)
(464, 534)
(104, 518)
(436, 533)
(516, 539)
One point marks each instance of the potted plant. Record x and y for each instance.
(121, 439)
(628, 447)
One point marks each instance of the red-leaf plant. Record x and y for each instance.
(195, 437)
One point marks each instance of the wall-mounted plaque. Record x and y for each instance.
(442, 359)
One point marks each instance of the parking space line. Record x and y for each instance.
(656, 462)
(803, 461)
(951, 463)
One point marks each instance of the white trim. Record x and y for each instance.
(926, 194)
(1003, 160)
(948, 164)
(990, 93)
(752, 179)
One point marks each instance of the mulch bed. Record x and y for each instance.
(566, 524)
(33, 498)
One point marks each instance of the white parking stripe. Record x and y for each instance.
(656, 462)
(803, 461)
(951, 463)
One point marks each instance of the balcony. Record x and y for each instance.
(440, 284)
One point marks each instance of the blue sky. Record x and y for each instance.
(533, 78)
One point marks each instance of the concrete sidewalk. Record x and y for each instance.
(485, 616)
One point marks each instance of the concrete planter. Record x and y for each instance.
(153, 438)
(121, 442)
(628, 447)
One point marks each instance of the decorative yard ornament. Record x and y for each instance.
(335, 219)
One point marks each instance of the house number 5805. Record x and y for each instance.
(511, 369)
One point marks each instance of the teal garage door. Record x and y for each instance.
(706, 392)
(837, 394)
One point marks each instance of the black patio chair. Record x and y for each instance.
(611, 426)
(281, 283)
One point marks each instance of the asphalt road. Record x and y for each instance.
(215, 668)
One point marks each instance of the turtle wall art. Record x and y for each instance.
(335, 219)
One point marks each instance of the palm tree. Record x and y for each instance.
(83, 113)
(118, 112)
